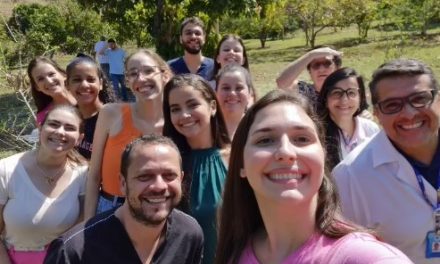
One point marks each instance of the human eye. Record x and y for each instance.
(132, 74)
(352, 93)
(144, 177)
(76, 79)
(391, 105)
(226, 88)
(169, 176)
(174, 109)
(302, 140)
(420, 99)
(70, 128)
(240, 88)
(337, 93)
(193, 104)
(148, 70)
(53, 123)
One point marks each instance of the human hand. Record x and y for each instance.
(324, 52)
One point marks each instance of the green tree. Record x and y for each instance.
(360, 12)
(314, 16)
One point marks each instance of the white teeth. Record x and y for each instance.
(412, 126)
(289, 176)
(156, 200)
(188, 124)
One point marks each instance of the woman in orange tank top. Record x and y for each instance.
(118, 124)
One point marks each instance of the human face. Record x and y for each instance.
(153, 184)
(191, 114)
(112, 45)
(233, 93)
(144, 77)
(60, 132)
(84, 83)
(283, 157)
(48, 79)
(413, 130)
(192, 38)
(345, 106)
(230, 52)
(320, 69)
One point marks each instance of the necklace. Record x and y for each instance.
(51, 178)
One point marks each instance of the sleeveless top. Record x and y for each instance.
(85, 146)
(115, 145)
(208, 177)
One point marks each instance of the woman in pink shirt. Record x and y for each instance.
(279, 205)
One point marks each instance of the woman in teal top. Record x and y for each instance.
(196, 124)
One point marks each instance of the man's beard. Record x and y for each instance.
(148, 220)
(193, 51)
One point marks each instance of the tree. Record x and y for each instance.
(361, 12)
(314, 16)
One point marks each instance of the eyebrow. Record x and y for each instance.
(295, 127)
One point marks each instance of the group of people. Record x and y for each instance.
(198, 169)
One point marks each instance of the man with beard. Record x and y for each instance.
(146, 228)
(192, 38)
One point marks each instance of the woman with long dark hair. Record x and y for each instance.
(341, 101)
(279, 203)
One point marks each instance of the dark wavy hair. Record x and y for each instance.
(106, 94)
(217, 65)
(332, 129)
(41, 100)
(240, 217)
(219, 131)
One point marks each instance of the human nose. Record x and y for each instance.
(158, 184)
(408, 110)
(60, 130)
(286, 151)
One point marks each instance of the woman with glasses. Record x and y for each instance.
(341, 100)
(118, 124)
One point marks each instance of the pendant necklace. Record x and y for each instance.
(51, 179)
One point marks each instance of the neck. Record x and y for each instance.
(64, 98)
(89, 110)
(286, 230)
(149, 109)
(202, 141)
(232, 121)
(422, 153)
(49, 160)
(145, 239)
(346, 123)
(193, 58)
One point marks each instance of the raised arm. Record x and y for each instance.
(94, 178)
(287, 80)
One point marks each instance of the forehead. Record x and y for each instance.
(350, 82)
(401, 86)
(63, 116)
(43, 67)
(184, 93)
(230, 42)
(84, 67)
(140, 59)
(154, 157)
(282, 115)
(233, 76)
(322, 60)
(192, 27)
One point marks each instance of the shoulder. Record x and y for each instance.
(364, 248)
(185, 224)
(175, 61)
(208, 61)
(111, 110)
(367, 123)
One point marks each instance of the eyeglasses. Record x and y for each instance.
(146, 71)
(338, 93)
(317, 65)
(416, 100)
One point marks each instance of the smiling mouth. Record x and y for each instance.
(189, 124)
(412, 126)
(285, 176)
(156, 200)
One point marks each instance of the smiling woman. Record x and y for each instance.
(47, 86)
(42, 191)
(195, 123)
(288, 210)
(120, 123)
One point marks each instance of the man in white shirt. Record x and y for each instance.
(102, 58)
(390, 182)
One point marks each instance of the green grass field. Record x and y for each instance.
(267, 63)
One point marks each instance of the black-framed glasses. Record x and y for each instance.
(318, 64)
(338, 93)
(415, 100)
(146, 71)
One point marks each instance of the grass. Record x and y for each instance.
(267, 63)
